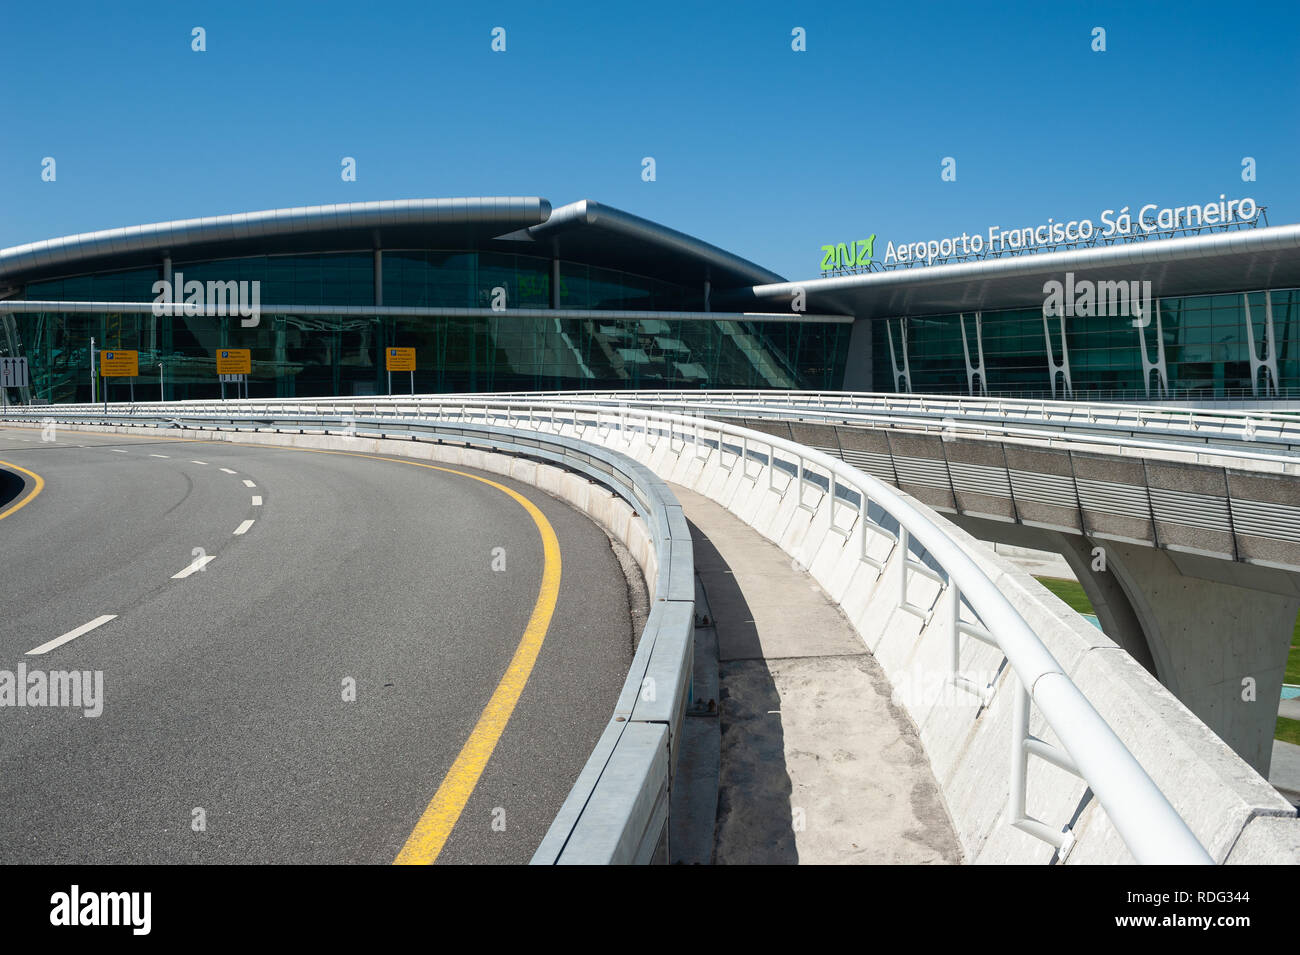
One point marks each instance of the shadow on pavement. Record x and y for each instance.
(754, 824)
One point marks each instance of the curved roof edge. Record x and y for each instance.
(504, 213)
(1227, 261)
(588, 215)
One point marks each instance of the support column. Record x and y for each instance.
(903, 375)
(971, 369)
(1217, 633)
(1269, 361)
(1053, 368)
(1158, 366)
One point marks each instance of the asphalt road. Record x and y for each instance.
(224, 690)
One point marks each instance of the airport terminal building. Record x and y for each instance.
(510, 294)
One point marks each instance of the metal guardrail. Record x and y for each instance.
(1244, 437)
(617, 811)
(1253, 431)
(1151, 828)
(1258, 434)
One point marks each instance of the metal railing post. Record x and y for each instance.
(1019, 758)
(902, 545)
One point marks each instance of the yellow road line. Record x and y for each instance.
(431, 832)
(440, 816)
(36, 489)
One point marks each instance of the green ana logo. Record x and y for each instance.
(847, 255)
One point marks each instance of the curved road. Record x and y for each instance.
(225, 735)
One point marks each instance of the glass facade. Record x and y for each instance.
(1206, 348)
(297, 355)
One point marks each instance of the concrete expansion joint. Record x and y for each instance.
(1255, 813)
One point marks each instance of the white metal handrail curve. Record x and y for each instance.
(1272, 449)
(1151, 828)
(1257, 433)
(1244, 451)
(998, 407)
(1249, 435)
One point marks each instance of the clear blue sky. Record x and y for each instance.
(761, 150)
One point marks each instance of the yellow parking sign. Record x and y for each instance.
(115, 363)
(401, 359)
(234, 361)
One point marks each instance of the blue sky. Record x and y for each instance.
(766, 152)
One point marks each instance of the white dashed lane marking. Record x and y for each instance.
(198, 565)
(158, 455)
(257, 500)
(248, 483)
(72, 634)
(228, 471)
(204, 463)
(243, 528)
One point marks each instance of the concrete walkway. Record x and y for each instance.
(817, 765)
(1284, 771)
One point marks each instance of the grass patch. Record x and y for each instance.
(1071, 591)
(1288, 730)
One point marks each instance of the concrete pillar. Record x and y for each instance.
(1216, 632)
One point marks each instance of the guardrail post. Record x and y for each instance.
(864, 512)
(903, 538)
(953, 598)
(1019, 758)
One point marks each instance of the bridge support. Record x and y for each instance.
(1215, 632)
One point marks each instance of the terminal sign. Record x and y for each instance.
(234, 361)
(401, 359)
(119, 364)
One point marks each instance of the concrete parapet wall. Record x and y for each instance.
(1230, 808)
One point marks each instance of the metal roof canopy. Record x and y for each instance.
(584, 232)
(1237, 261)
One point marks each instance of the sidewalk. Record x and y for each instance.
(1284, 771)
(816, 764)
